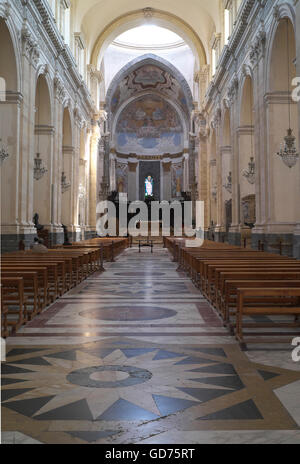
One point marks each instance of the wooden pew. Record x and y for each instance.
(42, 274)
(4, 314)
(31, 290)
(14, 301)
(250, 302)
(229, 301)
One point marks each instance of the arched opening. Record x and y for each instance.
(161, 19)
(150, 39)
(247, 162)
(226, 175)
(43, 138)
(8, 68)
(213, 182)
(83, 184)
(149, 105)
(282, 114)
(67, 171)
(9, 133)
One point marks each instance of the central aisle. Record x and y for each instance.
(136, 355)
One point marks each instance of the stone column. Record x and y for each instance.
(234, 236)
(167, 180)
(94, 141)
(132, 180)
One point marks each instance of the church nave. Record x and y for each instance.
(137, 355)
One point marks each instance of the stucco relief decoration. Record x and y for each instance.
(149, 126)
(148, 77)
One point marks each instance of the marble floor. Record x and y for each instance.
(137, 355)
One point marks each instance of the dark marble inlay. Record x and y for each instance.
(242, 411)
(194, 360)
(5, 381)
(129, 313)
(162, 354)
(132, 352)
(78, 410)
(213, 351)
(8, 394)
(217, 369)
(167, 405)
(123, 410)
(9, 369)
(205, 394)
(29, 407)
(135, 376)
(92, 436)
(21, 351)
(268, 375)
(67, 355)
(233, 382)
(99, 352)
(33, 361)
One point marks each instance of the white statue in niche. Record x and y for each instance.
(149, 186)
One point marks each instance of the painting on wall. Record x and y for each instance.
(148, 77)
(177, 180)
(122, 177)
(149, 126)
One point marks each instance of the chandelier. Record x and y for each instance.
(65, 186)
(250, 173)
(3, 154)
(38, 170)
(288, 153)
(228, 186)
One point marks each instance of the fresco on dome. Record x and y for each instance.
(148, 77)
(149, 126)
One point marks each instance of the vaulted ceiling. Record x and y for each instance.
(94, 16)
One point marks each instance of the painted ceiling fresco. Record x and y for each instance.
(149, 125)
(149, 77)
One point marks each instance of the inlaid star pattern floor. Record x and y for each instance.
(141, 360)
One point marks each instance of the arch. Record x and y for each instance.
(135, 19)
(67, 128)
(246, 102)
(8, 59)
(283, 11)
(226, 129)
(44, 147)
(184, 120)
(43, 114)
(277, 75)
(150, 59)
